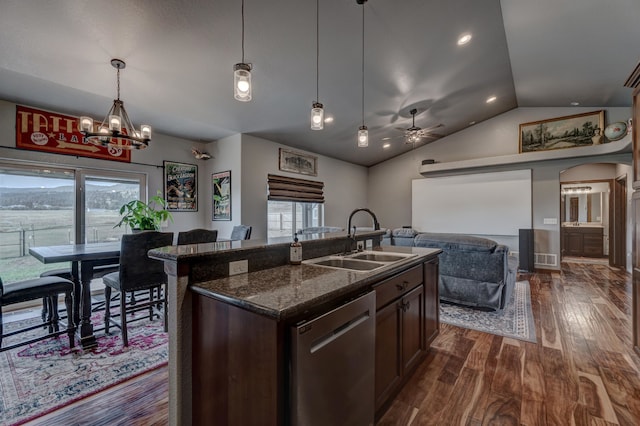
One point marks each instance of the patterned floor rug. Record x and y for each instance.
(47, 375)
(515, 320)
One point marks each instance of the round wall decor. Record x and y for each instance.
(615, 131)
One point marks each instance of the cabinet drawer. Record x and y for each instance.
(396, 286)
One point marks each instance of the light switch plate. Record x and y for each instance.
(550, 221)
(238, 267)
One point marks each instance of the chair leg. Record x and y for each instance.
(152, 292)
(53, 307)
(107, 308)
(123, 318)
(45, 305)
(71, 329)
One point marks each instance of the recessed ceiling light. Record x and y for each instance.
(574, 103)
(464, 39)
(386, 145)
(471, 123)
(328, 120)
(491, 99)
(385, 139)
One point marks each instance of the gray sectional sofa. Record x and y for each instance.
(474, 271)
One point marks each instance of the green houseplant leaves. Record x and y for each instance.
(138, 215)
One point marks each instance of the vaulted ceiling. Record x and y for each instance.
(180, 57)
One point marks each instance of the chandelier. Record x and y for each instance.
(116, 129)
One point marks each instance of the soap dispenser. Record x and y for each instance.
(295, 253)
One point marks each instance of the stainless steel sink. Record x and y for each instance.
(378, 257)
(359, 262)
(345, 263)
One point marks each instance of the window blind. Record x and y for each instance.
(283, 188)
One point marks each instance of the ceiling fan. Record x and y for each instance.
(414, 134)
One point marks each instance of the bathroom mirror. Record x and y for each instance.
(585, 202)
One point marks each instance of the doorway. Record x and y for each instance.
(593, 214)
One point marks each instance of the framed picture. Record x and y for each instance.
(563, 132)
(221, 183)
(296, 162)
(181, 186)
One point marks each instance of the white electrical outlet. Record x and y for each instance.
(369, 244)
(238, 267)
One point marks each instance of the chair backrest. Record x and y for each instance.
(137, 269)
(197, 236)
(241, 232)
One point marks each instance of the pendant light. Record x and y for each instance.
(116, 129)
(317, 111)
(363, 132)
(242, 74)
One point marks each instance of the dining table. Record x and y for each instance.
(85, 259)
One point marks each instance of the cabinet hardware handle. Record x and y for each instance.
(403, 286)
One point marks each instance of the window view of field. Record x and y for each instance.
(42, 214)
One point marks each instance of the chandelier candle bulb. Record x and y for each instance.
(145, 131)
(86, 124)
(115, 123)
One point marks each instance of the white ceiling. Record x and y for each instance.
(55, 54)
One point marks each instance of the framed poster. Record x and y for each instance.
(181, 186)
(562, 132)
(221, 183)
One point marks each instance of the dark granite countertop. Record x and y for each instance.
(288, 291)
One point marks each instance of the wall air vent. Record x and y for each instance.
(546, 259)
(634, 79)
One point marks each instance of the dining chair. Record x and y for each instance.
(241, 232)
(137, 272)
(46, 288)
(197, 236)
(98, 272)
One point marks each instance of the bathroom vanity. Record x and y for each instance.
(583, 240)
(243, 349)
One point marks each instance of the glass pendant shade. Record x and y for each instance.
(242, 82)
(85, 124)
(317, 116)
(363, 137)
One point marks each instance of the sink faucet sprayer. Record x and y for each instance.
(376, 224)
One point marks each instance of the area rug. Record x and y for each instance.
(515, 320)
(47, 375)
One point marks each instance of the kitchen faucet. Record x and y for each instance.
(376, 224)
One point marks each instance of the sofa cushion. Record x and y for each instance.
(454, 242)
(404, 232)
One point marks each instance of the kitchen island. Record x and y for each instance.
(230, 350)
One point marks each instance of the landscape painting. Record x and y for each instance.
(562, 132)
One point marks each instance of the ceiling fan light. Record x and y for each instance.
(317, 116)
(242, 82)
(363, 137)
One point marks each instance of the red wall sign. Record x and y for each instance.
(46, 131)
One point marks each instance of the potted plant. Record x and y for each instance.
(140, 216)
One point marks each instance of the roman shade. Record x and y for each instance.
(283, 188)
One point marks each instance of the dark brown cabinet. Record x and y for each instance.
(583, 241)
(406, 322)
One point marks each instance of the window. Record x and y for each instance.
(41, 206)
(287, 217)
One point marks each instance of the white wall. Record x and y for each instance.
(148, 161)
(389, 187)
(227, 155)
(345, 185)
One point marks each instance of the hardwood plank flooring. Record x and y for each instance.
(582, 370)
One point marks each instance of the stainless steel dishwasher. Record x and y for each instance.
(332, 368)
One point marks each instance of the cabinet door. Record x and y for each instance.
(575, 242)
(413, 336)
(388, 362)
(431, 301)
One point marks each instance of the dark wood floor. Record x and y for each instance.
(582, 370)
